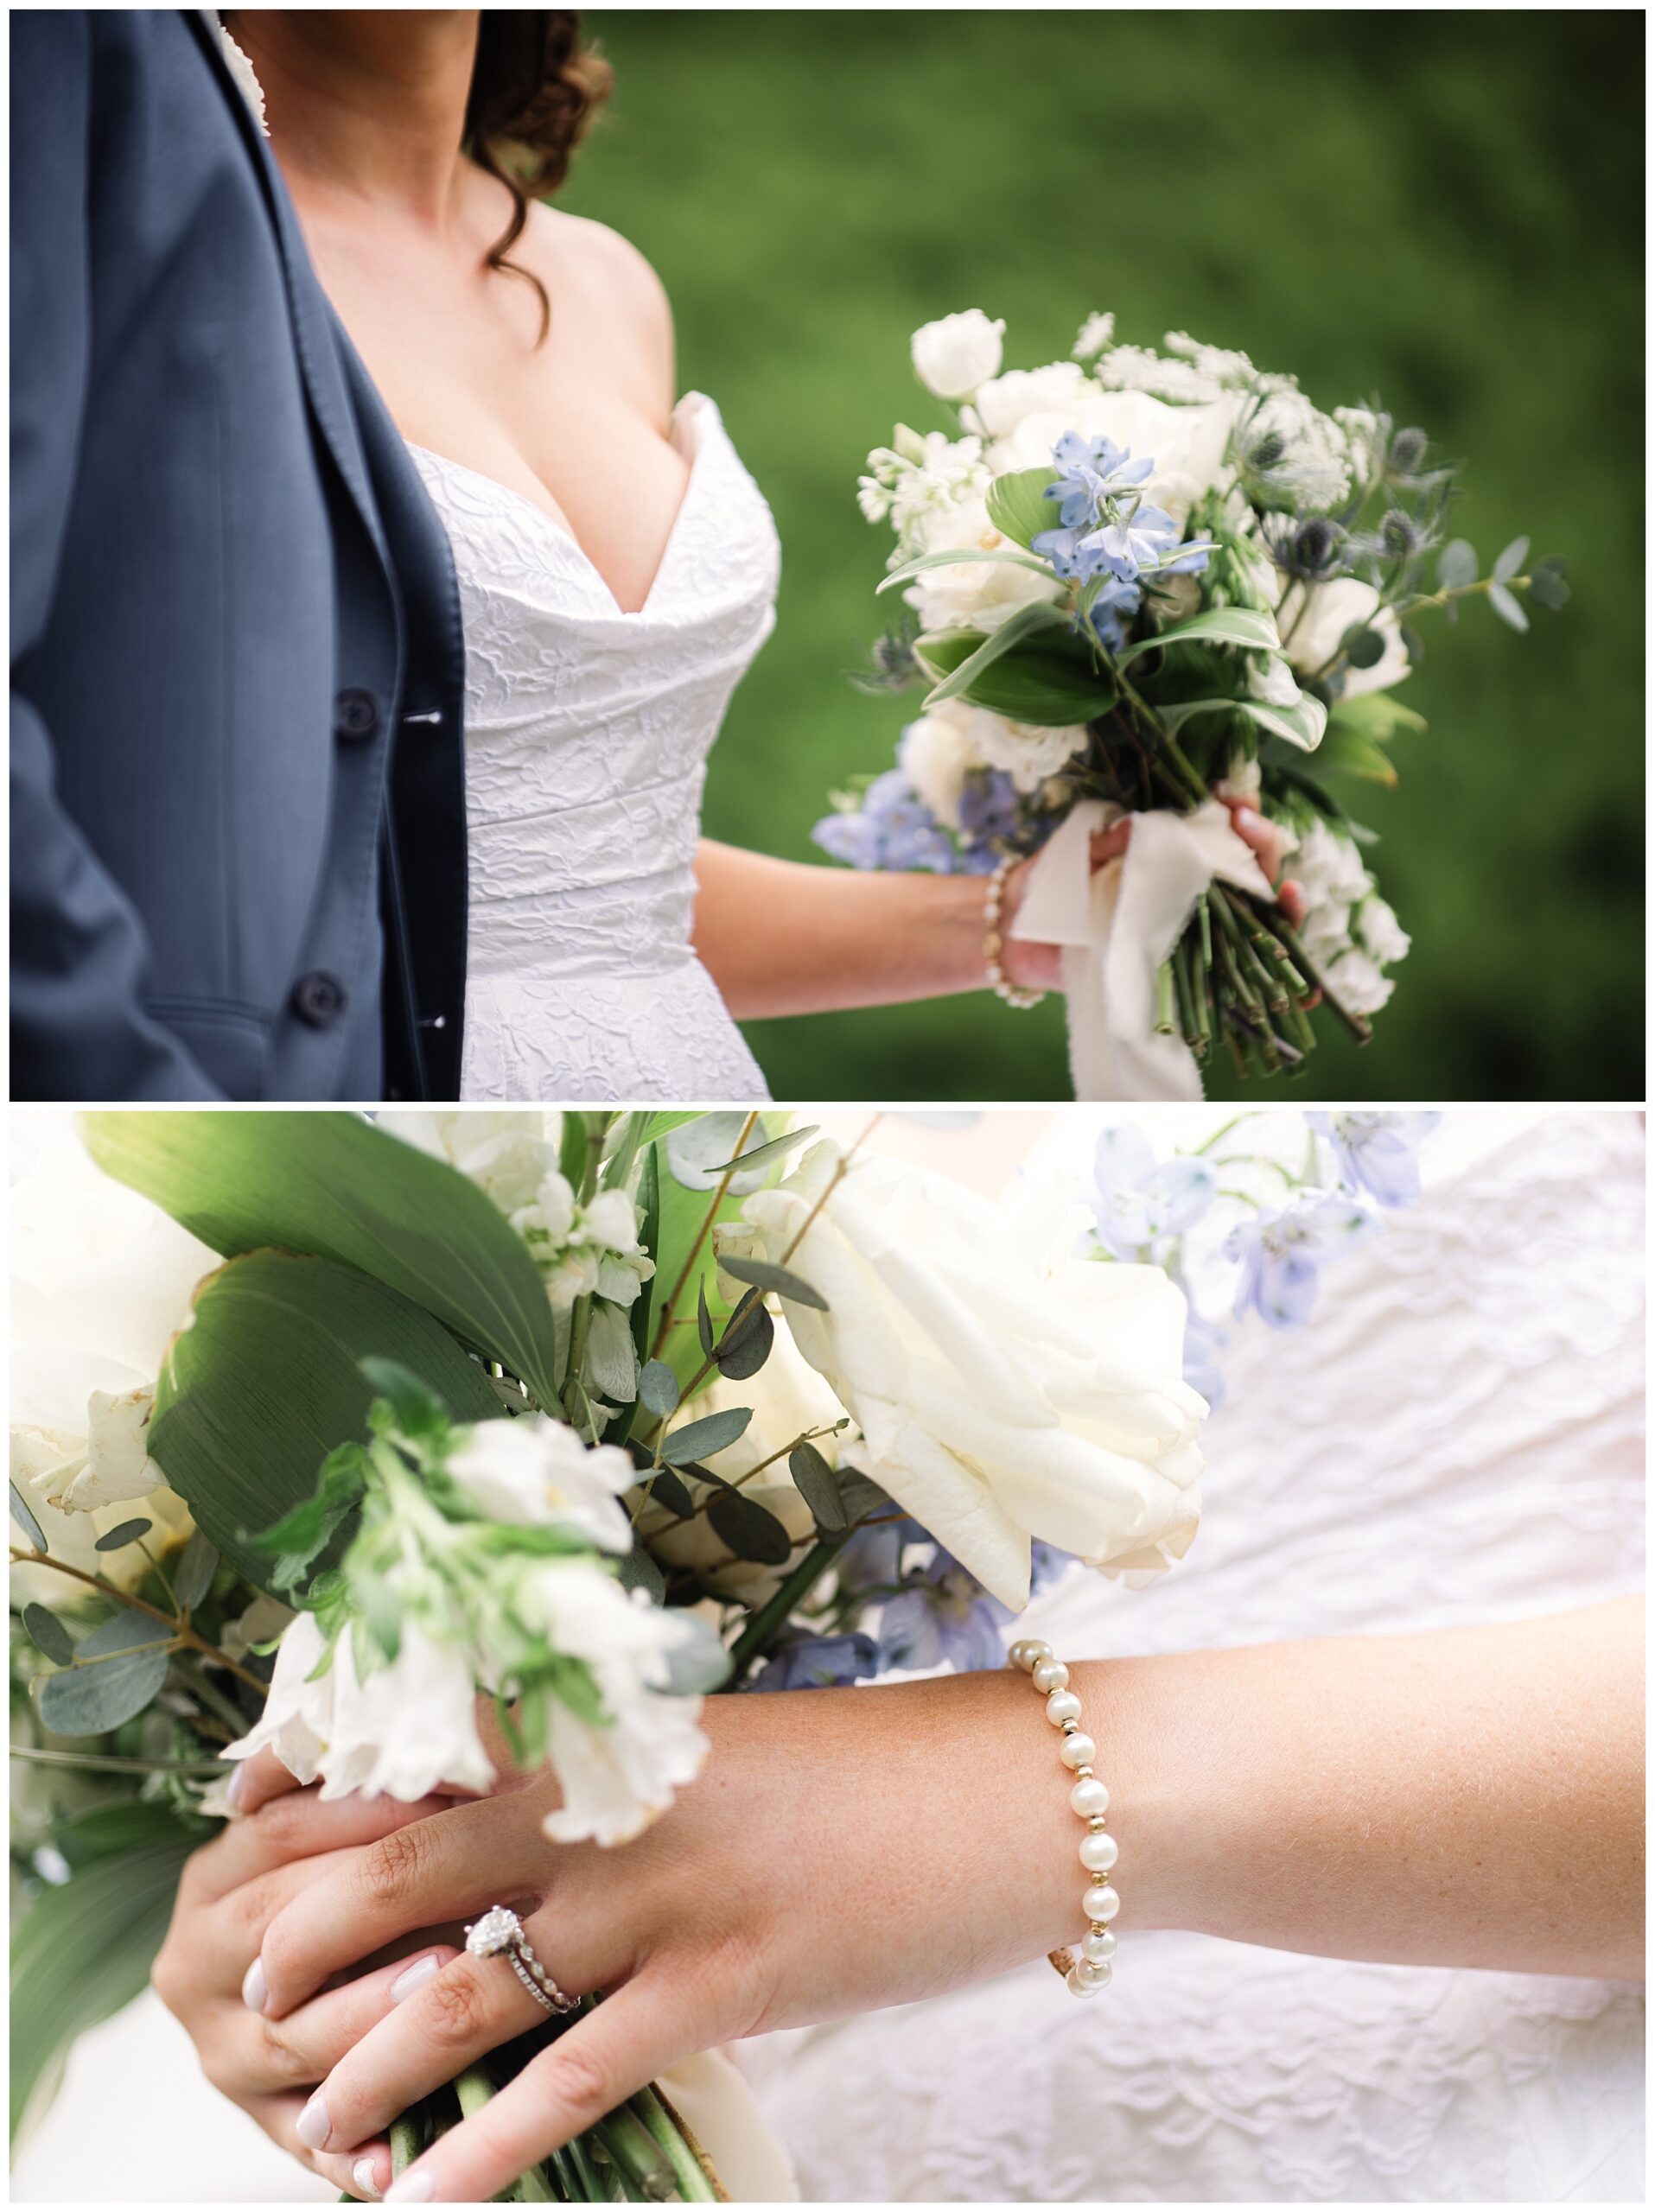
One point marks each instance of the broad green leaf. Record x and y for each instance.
(107, 1829)
(47, 1634)
(749, 1530)
(1027, 622)
(1511, 560)
(1245, 627)
(1052, 684)
(1301, 724)
(1348, 752)
(267, 1382)
(80, 1952)
(332, 1184)
(699, 1439)
(909, 570)
(1377, 715)
(1018, 504)
(764, 1274)
(1507, 608)
(117, 1671)
(22, 1514)
(815, 1483)
(1456, 565)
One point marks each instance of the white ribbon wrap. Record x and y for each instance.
(1116, 926)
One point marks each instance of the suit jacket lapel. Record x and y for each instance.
(313, 319)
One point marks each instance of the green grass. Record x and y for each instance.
(1443, 208)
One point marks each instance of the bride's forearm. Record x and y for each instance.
(1464, 1798)
(782, 937)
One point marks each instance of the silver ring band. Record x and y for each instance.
(499, 1933)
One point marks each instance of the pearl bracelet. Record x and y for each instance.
(1088, 1973)
(993, 943)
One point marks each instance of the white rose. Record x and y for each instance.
(1381, 933)
(1357, 983)
(936, 755)
(1313, 619)
(507, 1155)
(534, 1471)
(973, 595)
(999, 1400)
(1028, 752)
(954, 356)
(1186, 444)
(1001, 405)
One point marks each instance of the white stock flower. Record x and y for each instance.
(1096, 335)
(1188, 445)
(1329, 866)
(617, 1778)
(972, 595)
(1383, 936)
(1357, 983)
(953, 357)
(582, 1250)
(534, 1472)
(1000, 1399)
(1312, 619)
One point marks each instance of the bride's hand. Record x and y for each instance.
(817, 1868)
(1034, 967)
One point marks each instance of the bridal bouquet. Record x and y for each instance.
(460, 1442)
(1149, 583)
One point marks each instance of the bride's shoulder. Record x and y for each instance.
(602, 261)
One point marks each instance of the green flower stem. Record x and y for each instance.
(567, 2179)
(750, 1644)
(1165, 994)
(580, 1322)
(407, 2133)
(1360, 1028)
(208, 1691)
(687, 2168)
(645, 2174)
(589, 2184)
(113, 1763)
(181, 1629)
(708, 1219)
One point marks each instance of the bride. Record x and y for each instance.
(617, 569)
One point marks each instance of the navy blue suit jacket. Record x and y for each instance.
(237, 807)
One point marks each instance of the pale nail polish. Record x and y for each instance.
(414, 2188)
(237, 1789)
(362, 2179)
(313, 2126)
(413, 1978)
(253, 1992)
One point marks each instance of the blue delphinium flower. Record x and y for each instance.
(1376, 1151)
(815, 1662)
(1282, 1253)
(893, 829)
(943, 1618)
(1138, 1201)
(1046, 1563)
(1203, 1341)
(1092, 471)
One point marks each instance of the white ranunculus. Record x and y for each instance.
(935, 754)
(1311, 631)
(973, 595)
(534, 1471)
(1383, 936)
(1357, 983)
(402, 1731)
(1030, 753)
(1188, 445)
(954, 356)
(616, 1778)
(1000, 1398)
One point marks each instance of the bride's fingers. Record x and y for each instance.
(1290, 898)
(1110, 844)
(258, 1779)
(469, 2008)
(451, 1867)
(365, 2173)
(297, 1826)
(254, 2055)
(1263, 836)
(643, 2029)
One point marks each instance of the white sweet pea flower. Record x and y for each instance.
(1382, 934)
(953, 357)
(1357, 982)
(616, 1777)
(582, 1250)
(296, 1722)
(537, 1472)
(1312, 619)
(969, 595)
(1000, 1399)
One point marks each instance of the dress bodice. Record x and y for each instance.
(1457, 1436)
(586, 735)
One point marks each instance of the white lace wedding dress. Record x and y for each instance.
(586, 735)
(1457, 1436)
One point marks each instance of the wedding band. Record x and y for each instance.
(499, 1933)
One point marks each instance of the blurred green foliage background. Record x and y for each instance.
(1443, 208)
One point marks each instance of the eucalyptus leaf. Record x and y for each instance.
(332, 1184)
(1245, 627)
(47, 1634)
(1457, 565)
(815, 1483)
(1511, 560)
(699, 1152)
(657, 1388)
(25, 1519)
(1546, 585)
(703, 1318)
(774, 1148)
(1507, 608)
(751, 1532)
(660, 1486)
(764, 1274)
(746, 1344)
(862, 1494)
(610, 1369)
(699, 1439)
(193, 1576)
(123, 1533)
(99, 1692)
(1364, 648)
(639, 1570)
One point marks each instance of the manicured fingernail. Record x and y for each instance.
(313, 2126)
(253, 1992)
(414, 2188)
(237, 1789)
(362, 2180)
(413, 1978)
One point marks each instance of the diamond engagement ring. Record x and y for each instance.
(500, 1932)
